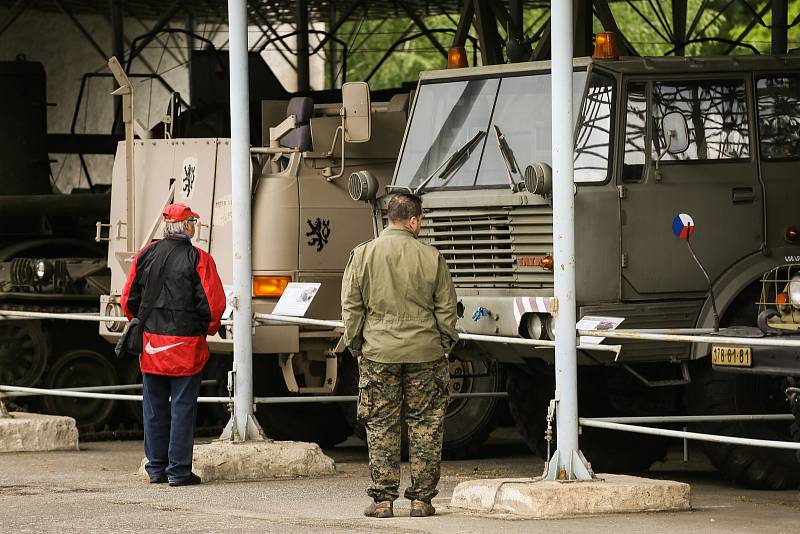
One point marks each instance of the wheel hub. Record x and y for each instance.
(23, 353)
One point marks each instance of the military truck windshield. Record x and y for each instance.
(448, 114)
(779, 116)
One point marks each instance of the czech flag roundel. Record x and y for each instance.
(683, 225)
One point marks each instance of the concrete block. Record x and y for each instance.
(257, 460)
(32, 432)
(549, 499)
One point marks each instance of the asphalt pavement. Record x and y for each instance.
(96, 490)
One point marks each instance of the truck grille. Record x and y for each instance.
(482, 245)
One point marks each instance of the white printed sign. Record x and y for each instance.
(296, 299)
(592, 322)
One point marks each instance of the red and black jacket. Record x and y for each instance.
(188, 307)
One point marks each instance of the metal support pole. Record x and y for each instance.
(118, 46)
(518, 48)
(582, 12)
(679, 10)
(780, 18)
(303, 72)
(333, 64)
(242, 426)
(464, 23)
(486, 24)
(567, 463)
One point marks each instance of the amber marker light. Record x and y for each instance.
(605, 46)
(791, 233)
(781, 298)
(548, 263)
(457, 58)
(270, 286)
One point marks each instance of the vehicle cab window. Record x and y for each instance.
(635, 133)
(716, 116)
(593, 137)
(778, 99)
(513, 113)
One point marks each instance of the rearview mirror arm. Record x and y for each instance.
(327, 171)
(669, 134)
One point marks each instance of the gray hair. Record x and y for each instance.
(173, 228)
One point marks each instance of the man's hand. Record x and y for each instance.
(446, 356)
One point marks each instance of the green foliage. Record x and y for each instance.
(368, 41)
(646, 24)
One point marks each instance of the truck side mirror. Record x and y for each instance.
(356, 112)
(356, 125)
(675, 131)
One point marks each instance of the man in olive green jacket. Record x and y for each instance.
(399, 311)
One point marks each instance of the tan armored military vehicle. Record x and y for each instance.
(304, 226)
(663, 146)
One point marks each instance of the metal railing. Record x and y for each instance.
(623, 424)
(100, 392)
(697, 436)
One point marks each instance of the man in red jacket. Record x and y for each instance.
(186, 308)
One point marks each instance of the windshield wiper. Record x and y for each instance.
(508, 157)
(453, 162)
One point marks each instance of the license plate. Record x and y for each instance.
(732, 356)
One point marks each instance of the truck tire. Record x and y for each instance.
(319, 422)
(713, 392)
(608, 451)
(468, 422)
(527, 402)
(78, 368)
(23, 353)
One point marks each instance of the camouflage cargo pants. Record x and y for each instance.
(421, 392)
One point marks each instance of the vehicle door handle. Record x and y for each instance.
(742, 195)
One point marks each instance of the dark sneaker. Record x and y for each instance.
(162, 479)
(381, 509)
(422, 509)
(191, 481)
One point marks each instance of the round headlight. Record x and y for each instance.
(362, 186)
(533, 325)
(44, 271)
(794, 292)
(550, 327)
(538, 178)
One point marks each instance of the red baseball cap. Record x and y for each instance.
(178, 213)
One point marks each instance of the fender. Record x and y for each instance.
(732, 282)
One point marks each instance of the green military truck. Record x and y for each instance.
(707, 145)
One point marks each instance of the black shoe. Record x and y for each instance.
(159, 480)
(191, 481)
